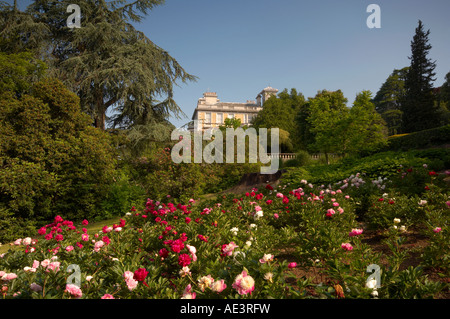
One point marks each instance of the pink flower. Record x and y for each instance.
(227, 250)
(18, 242)
(54, 265)
(187, 220)
(187, 293)
(340, 210)
(218, 286)
(99, 244)
(275, 216)
(69, 248)
(355, 232)
(335, 204)
(437, 230)
(258, 208)
(192, 251)
(35, 264)
(330, 212)
(45, 262)
(9, 276)
(280, 195)
(107, 296)
(266, 258)
(292, 265)
(85, 237)
(84, 222)
(74, 290)
(131, 283)
(244, 283)
(347, 246)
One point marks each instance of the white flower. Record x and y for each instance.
(402, 228)
(268, 276)
(374, 293)
(234, 230)
(88, 278)
(396, 220)
(259, 214)
(26, 241)
(248, 243)
(422, 202)
(372, 283)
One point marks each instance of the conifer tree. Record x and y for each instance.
(419, 109)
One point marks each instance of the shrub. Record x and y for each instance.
(51, 158)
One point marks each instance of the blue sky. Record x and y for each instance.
(238, 47)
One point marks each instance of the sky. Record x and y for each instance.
(238, 47)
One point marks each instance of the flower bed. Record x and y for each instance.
(233, 248)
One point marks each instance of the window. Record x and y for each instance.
(231, 116)
(207, 118)
(219, 118)
(245, 118)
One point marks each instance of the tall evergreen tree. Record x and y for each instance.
(419, 109)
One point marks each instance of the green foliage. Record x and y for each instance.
(418, 106)
(51, 159)
(426, 138)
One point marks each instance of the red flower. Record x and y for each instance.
(201, 237)
(184, 260)
(59, 237)
(42, 231)
(84, 222)
(269, 187)
(432, 173)
(177, 245)
(285, 200)
(163, 253)
(269, 201)
(106, 240)
(140, 274)
(187, 220)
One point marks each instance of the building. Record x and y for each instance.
(211, 112)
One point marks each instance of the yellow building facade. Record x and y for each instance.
(211, 112)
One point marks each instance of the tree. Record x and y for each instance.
(52, 160)
(328, 111)
(344, 130)
(388, 100)
(107, 62)
(280, 112)
(443, 100)
(367, 130)
(419, 109)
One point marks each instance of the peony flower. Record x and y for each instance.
(437, 229)
(53, 266)
(268, 276)
(17, 242)
(422, 202)
(185, 271)
(396, 220)
(140, 274)
(205, 282)
(85, 237)
(355, 232)
(276, 216)
(184, 260)
(26, 241)
(187, 293)
(227, 250)
(266, 258)
(244, 283)
(69, 248)
(330, 212)
(107, 296)
(234, 230)
(131, 283)
(192, 251)
(292, 265)
(259, 214)
(402, 228)
(218, 286)
(74, 290)
(347, 246)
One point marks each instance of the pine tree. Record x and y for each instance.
(419, 110)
